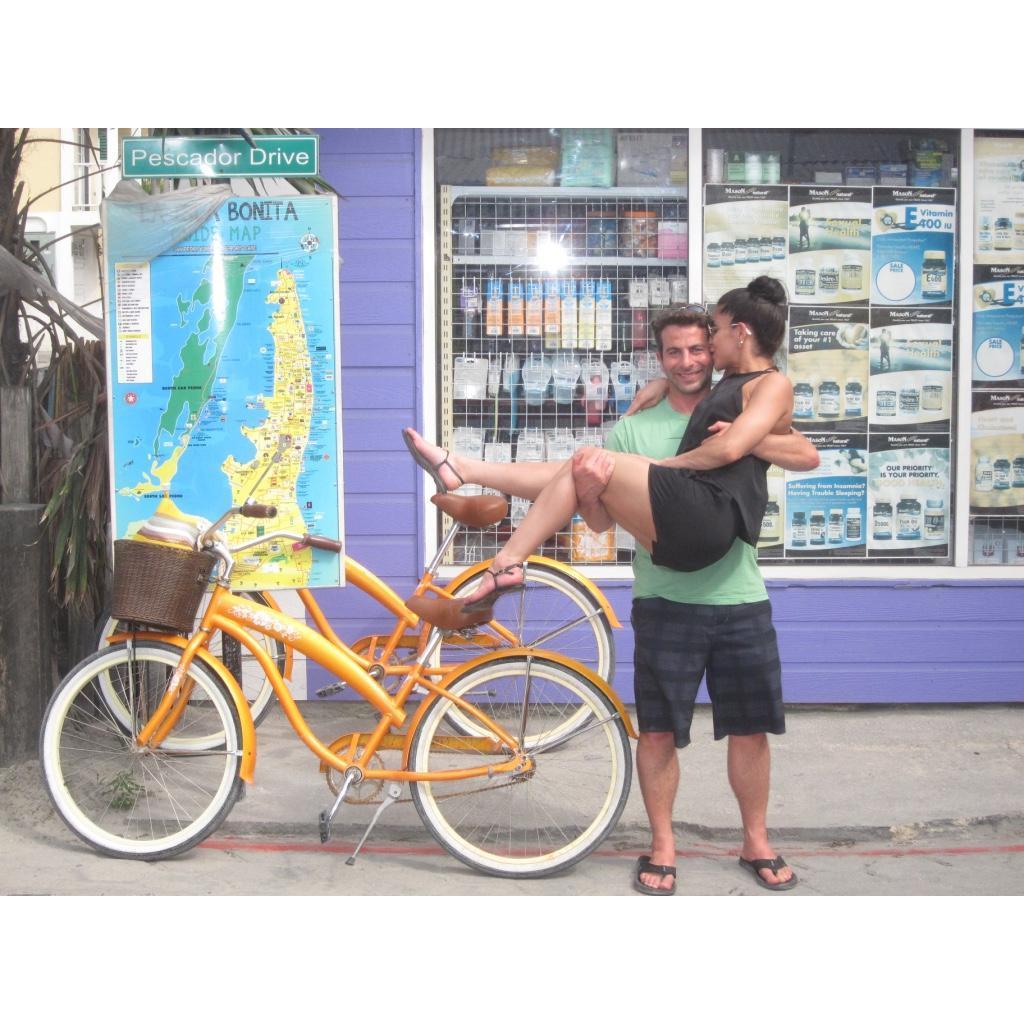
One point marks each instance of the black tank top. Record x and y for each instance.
(745, 481)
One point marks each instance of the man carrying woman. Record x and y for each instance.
(695, 512)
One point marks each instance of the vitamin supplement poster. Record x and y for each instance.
(744, 235)
(998, 200)
(827, 361)
(829, 245)
(912, 247)
(997, 452)
(998, 326)
(908, 495)
(826, 507)
(911, 379)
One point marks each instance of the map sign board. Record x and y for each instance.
(224, 350)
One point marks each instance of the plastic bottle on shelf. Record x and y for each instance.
(587, 314)
(567, 290)
(534, 309)
(516, 310)
(552, 315)
(603, 317)
(495, 307)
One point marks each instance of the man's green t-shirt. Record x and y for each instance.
(733, 579)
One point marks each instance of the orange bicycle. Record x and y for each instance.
(559, 609)
(518, 760)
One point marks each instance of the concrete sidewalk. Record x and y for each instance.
(836, 774)
(886, 801)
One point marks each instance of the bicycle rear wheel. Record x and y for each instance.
(235, 657)
(553, 813)
(554, 612)
(132, 802)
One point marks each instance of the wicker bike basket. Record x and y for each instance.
(159, 586)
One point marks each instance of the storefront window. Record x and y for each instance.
(556, 247)
(997, 374)
(860, 228)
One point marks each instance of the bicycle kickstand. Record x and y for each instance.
(394, 791)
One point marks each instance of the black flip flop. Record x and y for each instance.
(755, 867)
(645, 867)
(421, 460)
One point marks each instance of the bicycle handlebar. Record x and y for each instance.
(255, 511)
(324, 543)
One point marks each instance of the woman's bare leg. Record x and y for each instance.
(625, 498)
(522, 479)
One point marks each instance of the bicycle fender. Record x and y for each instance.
(248, 766)
(567, 570)
(509, 652)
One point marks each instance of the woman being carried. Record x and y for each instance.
(686, 510)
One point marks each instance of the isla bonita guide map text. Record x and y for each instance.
(220, 347)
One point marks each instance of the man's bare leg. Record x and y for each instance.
(749, 762)
(657, 770)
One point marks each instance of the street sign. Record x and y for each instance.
(203, 156)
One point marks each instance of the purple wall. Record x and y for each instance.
(844, 642)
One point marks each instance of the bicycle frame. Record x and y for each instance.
(238, 617)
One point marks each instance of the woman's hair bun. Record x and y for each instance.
(767, 288)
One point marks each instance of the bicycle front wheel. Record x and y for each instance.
(235, 657)
(141, 803)
(568, 797)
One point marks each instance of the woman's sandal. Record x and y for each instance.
(486, 603)
(434, 470)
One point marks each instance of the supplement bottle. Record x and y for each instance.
(740, 251)
(803, 401)
(910, 401)
(881, 528)
(778, 248)
(934, 519)
(816, 530)
(1003, 235)
(934, 275)
(828, 399)
(1018, 471)
(854, 396)
(714, 254)
(854, 524)
(908, 519)
(798, 531)
(728, 254)
(1001, 474)
(770, 524)
(806, 279)
(852, 275)
(885, 402)
(835, 526)
(828, 280)
(983, 474)
(931, 397)
(765, 248)
(985, 234)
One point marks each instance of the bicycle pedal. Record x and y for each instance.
(325, 827)
(330, 690)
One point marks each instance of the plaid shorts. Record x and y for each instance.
(675, 643)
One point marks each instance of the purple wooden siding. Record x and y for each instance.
(841, 642)
(376, 171)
